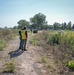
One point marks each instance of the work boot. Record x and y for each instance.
(25, 49)
(22, 49)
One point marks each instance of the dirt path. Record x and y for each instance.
(27, 61)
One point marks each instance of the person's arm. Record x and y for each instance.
(20, 33)
(26, 34)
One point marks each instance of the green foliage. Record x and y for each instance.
(5, 36)
(65, 38)
(55, 39)
(71, 64)
(48, 63)
(2, 44)
(34, 41)
(56, 26)
(23, 23)
(64, 43)
(38, 20)
(64, 26)
(52, 38)
(9, 67)
(43, 59)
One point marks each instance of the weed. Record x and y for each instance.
(2, 44)
(71, 65)
(9, 67)
(34, 41)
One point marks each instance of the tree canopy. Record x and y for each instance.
(38, 20)
(23, 23)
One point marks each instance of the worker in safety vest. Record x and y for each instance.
(24, 38)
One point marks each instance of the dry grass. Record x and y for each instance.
(61, 45)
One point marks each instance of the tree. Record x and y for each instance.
(56, 25)
(69, 25)
(23, 23)
(50, 26)
(5, 27)
(64, 25)
(47, 27)
(15, 27)
(38, 20)
(73, 26)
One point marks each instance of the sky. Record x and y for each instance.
(11, 11)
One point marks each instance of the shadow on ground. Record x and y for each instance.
(15, 53)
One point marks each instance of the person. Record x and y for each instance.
(20, 37)
(31, 30)
(24, 38)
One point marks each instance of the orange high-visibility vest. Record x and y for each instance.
(23, 34)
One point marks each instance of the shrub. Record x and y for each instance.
(65, 39)
(34, 41)
(9, 67)
(2, 44)
(71, 64)
(43, 59)
(5, 36)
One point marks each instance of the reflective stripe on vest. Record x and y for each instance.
(23, 34)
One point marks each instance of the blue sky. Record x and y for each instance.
(11, 11)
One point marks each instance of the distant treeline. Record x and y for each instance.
(38, 21)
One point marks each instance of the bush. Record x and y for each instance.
(9, 67)
(5, 36)
(71, 64)
(65, 39)
(2, 44)
(55, 39)
(34, 41)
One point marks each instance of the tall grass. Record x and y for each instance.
(5, 36)
(34, 41)
(65, 39)
(9, 67)
(2, 44)
(60, 42)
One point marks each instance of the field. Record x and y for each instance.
(53, 49)
(61, 45)
(5, 36)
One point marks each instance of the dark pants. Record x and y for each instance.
(24, 44)
(20, 46)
